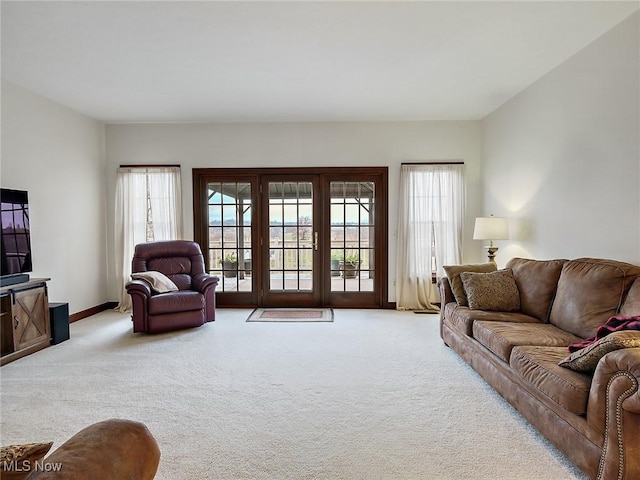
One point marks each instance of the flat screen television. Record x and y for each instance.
(16, 236)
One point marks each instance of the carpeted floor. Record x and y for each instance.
(373, 395)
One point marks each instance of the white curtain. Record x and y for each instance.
(148, 208)
(430, 221)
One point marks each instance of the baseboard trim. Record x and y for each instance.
(111, 305)
(91, 311)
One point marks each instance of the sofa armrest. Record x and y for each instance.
(614, 402)
(446, 294)
(111, 449)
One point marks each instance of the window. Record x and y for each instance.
(148, 208)
(429, 230)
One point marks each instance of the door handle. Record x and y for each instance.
(315, 240)
(17, 320)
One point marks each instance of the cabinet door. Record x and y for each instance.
(6, 326)
(30, 317)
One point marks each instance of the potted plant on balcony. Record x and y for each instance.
(336, 260)
(350, 265)
(230, 265)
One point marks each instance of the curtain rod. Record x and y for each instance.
(148, 166)
(432, 163)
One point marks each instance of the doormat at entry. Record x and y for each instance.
(291, 315)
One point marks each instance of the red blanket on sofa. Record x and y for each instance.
(614, 324)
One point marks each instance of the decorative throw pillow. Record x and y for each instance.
(495, 291)
(586, 359)
(453, 273)
(17, 461)
(159, 281)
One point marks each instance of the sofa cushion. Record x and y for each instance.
(537, 281)
(586, 359)
(172, 302)
(631, 305)
(589, 292)
(462, 318)
(495, 291)
(539, 367)
(453, 273)
(501, 337)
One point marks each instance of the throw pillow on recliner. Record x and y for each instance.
(158, 281)
(494, 291)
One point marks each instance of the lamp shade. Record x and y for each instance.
(491, 228)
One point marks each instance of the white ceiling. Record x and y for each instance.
(156, 61)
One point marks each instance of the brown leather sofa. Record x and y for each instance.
(194, 301)
(114, 449)
(594, 419)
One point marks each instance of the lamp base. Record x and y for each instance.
(491, 253)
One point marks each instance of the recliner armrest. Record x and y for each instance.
(139, 286)
(206, 284)
(202, 281)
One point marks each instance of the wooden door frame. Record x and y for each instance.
(379, 175)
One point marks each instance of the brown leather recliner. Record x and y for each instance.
(191, 305)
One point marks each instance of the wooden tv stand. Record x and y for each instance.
(24, 319)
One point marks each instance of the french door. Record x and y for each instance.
(290, 240)
(294, 237)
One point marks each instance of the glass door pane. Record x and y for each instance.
(230, 232)
(292, 241)
(291, 236)
(352, 233)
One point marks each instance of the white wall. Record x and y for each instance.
(562, 159)
(57, 155)
(298, 144)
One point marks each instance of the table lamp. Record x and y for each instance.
(491, 228)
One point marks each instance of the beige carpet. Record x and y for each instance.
(291, 315)
(373, 395)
